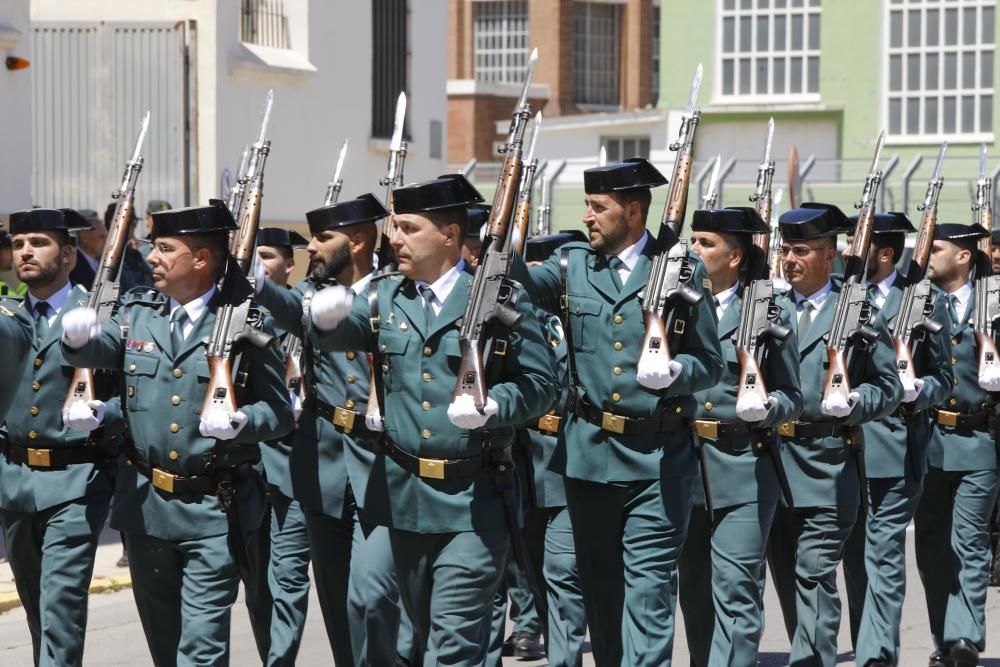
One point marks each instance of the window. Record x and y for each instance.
(596, 38)
(622, 148)
(770, 48)
(940, 67)
(264, 22)
(654, 88)
(389, 49)
(500, 40)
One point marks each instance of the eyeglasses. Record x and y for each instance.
(798, 250)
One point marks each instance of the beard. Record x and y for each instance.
(46, 274)
(613, 237)
(322, 272)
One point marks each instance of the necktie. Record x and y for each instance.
(805, 318)
(717, 304)
(177, 320)
(427, 294)
(953, 310)
(41, 319)
(616, 263)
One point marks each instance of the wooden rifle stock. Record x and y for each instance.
(655, 342)
(751, 378)
(677, 197)
(837, 380)
(220, 394)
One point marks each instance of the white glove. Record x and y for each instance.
(751, 409)
(330, 306)
(910, 393)
(259, 276)
(296, 401)
(463, 413)
(84, 415)
(374, 421)
(79, 326)
(656, 374)
(838, 407)
(222, 425)
(989, 379)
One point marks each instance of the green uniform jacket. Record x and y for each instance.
(896, 449)
(963, 449)
(274, 453)
(325, 465)
(736, 470)
(16, 332)
(35, 420)
(419, 370)
(163, 399)
(607, 334)
(821, 471)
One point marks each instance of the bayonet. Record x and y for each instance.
(267, 117)
(602, 157)
(940, 161)
(535, 129)
(711, 197)
(769, 144)
(695, 87)
(397, 128)
(333, 188)
(532, 60)
(982, 162)
(142, 137)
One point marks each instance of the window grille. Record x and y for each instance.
(596, 53)
(622, 148)
(264, 22)
(389, 62)
(500, 40)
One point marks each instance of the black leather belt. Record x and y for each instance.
(727, 436)
(977, 421)
(168, 482)
(344, 420)
(52, 458)
(614, 423)
(812, 429)
(440, 468)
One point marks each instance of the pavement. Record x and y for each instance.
(114, 634)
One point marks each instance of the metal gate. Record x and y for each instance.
(91, 84)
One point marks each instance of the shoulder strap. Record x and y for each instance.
(306, 356)
(567, 327)
(378, 382)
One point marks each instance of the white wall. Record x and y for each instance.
(15, 96)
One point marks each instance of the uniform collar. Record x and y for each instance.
(724, 298)
(816, 298)
(963, 294)
(360, 286)
(196, 307)
(630, 255)
(443, 286)
(56, 301)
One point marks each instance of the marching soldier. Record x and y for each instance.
(7, 273)
(186, 495)
(277, 593)
(807, 541)
(434, 481)
(55, 486)
(332, 453)
(960, 488)
(722, 565)
(16, 334)
(895, 461)
(625, 449)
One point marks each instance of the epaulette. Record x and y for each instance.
(144, 296)
(394, 275)
(9, 303)
(579, 245)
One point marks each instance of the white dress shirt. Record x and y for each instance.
(816, 298)
(630, 256)
(882, 289)
(723, 299)
(442, 286)
(56, 301)
(194, 308)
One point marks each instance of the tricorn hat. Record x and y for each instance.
(280, 238)
(366, 208)
(47, 220)
(813, 221)
(443, 192)
(212, 219)
(951, 231)
(730, 220)
(633, 174)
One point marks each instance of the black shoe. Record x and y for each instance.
(523, 645)
(123, 561)
(964, 653)
(940, 659)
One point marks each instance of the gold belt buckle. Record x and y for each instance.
(40, 458)
(344, 418)
(163, 480)
(787, 429)
(706, 428)
(432, 468)
(947, 418)
(612, 422)
(549, 423)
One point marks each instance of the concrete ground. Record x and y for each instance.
(114, 635)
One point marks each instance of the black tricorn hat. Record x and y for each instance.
(633, 174)
(813, 221)
(538, 248)
(892, 222)
(444, 192)
(47, 220)
(280, 238)
(952, 231)
(5, 241)
(479, 215)
(366, 208)
(730, 220)
(211, 219)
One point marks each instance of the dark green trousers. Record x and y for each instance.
(51, 554)
(330, 541)
(875, 569)
(953, 552)
(447, 582)
(805, 547)
(184, 591)
(628, 538)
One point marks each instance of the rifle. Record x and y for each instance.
(774, 249)
(711, 197)
(293, 367)
(987, 284)
(913, 321)
(235, 201)
(237, 318)
(670, 274)
(522, 215)
(543, 226)
(336, 183)
(793, 177)
(393, 178)
(104, 293)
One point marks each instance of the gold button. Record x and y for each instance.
(34, 410)
(38, 362)
(954, 361)
(175, 399)
(619, 319)
(36, 385)
(174, 428)
(32, 434)
(385, 367)
(847, 440)
(618, 345)
(426, 433)
(427, 377)
(954, 342)
(708, 405)
(178, 372)
(677, 409)
(760, 445)
(351, 354)
(173, 455)
(955, 381)
(131, 368)
(351, 379)
(617, 371)
(616, 397)
(427, 351)
(382, 347)
(953, 402)
(349, 403)
(426, 405)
